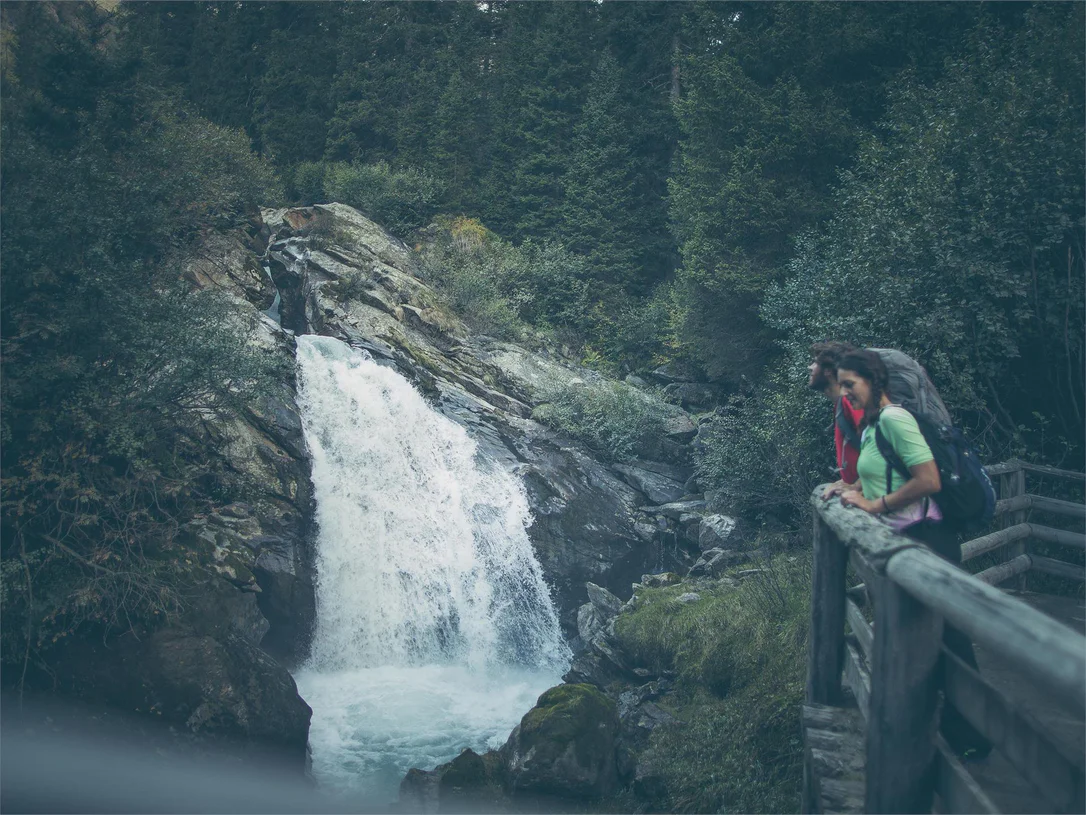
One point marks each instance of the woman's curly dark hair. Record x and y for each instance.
(868, 365)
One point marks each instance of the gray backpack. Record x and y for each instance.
(912, 388)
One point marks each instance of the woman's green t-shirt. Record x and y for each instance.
(901, 430)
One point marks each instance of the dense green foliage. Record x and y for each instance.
(614, 419)
(739, 658)
(728, 178)
(111, 363)
(958, 237)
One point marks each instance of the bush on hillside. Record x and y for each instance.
(614, 419)
(402, 200)
(501, 288)
(112, 367)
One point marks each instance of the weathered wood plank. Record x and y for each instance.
(1053, 471)
(994, 470)
(995, 575)
(1059, 568)
(826, 730)
(828, 717)
(862, 566)
(841, 741)
(856, 528)
(1013, 732)
(1060, 536)
(858, 593)
(1050, 653)
(826, 644)
(836, 761)
(860, 627)
(902, 713)
(988, 543)
(958, 790)
(1057, 507)
(1013, 504)
(810, 803)
(858, 678)
(1011, 485)
(843, 796)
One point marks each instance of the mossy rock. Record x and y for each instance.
(472, 783)
(565, 745)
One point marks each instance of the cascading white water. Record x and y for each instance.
(435, 630)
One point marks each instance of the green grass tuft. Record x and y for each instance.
(739, 654)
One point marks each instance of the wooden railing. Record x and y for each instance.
(890, 667)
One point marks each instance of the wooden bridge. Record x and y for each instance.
(874, 695)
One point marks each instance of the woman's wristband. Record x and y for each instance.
(885, 506)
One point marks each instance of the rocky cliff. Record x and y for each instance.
(328, 270)
(341, 275)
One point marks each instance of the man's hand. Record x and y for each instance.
(838, 488)
(855, 498)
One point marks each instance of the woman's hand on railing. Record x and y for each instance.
(855, 498)
(837, 488)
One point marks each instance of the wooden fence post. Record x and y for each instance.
(1010, 485)
(902, 718)
(826, 649)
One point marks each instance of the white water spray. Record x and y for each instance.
(435, 629)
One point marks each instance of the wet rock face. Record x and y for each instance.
(213, 688)
(341, 275)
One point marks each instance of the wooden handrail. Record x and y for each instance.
(1053, 471)
(988, 543)
(1042, 504)
(1053, 654)
(1039, 758)
(996, 540)
(1014, 465)
(892, 666)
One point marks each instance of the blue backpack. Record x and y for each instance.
(967, 497)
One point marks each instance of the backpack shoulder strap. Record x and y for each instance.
(893, 460)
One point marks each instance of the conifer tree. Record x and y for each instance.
(600, 212)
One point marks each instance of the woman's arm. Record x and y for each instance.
(924, 482)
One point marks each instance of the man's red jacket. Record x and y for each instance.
(848, 451)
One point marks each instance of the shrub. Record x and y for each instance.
(400, 200)
(614, 419)
(501, 288)
(766, 449)
(307, 183)
(739, 655)
(113, 370)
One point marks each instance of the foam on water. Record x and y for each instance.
(435, 629)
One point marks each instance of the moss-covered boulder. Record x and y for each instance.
(469, 783)
(472, 783)
(565, 746)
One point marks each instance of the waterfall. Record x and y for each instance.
(435, 629)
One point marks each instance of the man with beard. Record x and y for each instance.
(846, 419)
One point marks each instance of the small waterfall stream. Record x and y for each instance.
(435, 630)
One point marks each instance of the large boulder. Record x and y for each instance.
(593, 616)
(470, 783)
(717, 532)
(214, 688)
(658, 488)
(564, 747)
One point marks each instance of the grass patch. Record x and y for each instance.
(739, 655)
